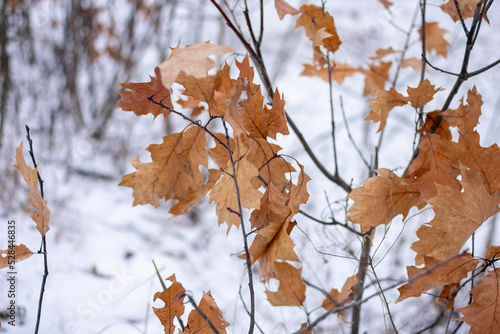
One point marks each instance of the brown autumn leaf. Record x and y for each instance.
(195, 195)
(192, 104)
(386, 3)
(383, 104)
(272, 168)
(173, 171)
(283, 8)
(492, 252)
(196, 323)
(465, 117)
(433, 165)
(447, 295)
(414, 63)
(21, 252)
(483, 314)
(376, 76)
(313, 18)
(381, 53)
(173, 298)
(41, 216)
(382, 198)
(137, 99)
(421, 95)
(340, 297)
(272, 241)
(435, 274)
(339, 71)
(291, 291)
(467, 9)
(457, 215)
(200, 89)
(193, 60)
(434, 39)
(225, 196)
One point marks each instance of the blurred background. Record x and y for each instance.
(60, 65)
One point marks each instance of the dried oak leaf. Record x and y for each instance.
(313, 18)
(200, 89)
(137, 99)
(196, 323)
(225, 195)
(41, 216)
(336, 297)
(21, 252)
(193, 60)
(192, 104)
(447, 295)
(292, 290)
(435, 274)
(381, 53)
(283, 8)
(382, 104)
(376, 76)
(467, 9)
(458, 216)
(492, 252)
(421, 95)
(173, 171)
(434, 38)
(382, 198)
(339, 71)
(483, 314)
(173, 298)
(414, 63)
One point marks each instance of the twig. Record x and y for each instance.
(359, 289)
(43, 247)
(245, 240)
(349, 134)
(384, 299)
(201, 313)
(457, 6)
(332, 114)
(259, 64)
(348, 304)
(333, 222)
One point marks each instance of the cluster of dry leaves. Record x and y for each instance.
(241, 169)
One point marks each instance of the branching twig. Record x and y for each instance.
(43, 247)
(333, 222)
(245, 237)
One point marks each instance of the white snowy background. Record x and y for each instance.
(100, 248)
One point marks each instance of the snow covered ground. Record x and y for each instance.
(100, 248)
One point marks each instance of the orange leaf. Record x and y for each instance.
(196, 323)
(313, 18)
(340, 297)
(386, 3)
(192, 60)
(422, 94)
(381, 53)
(195, 195)
(200, 89)
(376, 77)
(21, 252)
(173, 171)
(339, 72)
(436, 274)
(41, 216)
(483, 315)
(457, 215)
(385, 102)
(434, 39)
(283, 8)
(225, 196)
(492, 252)
(173, 297)
(414, 63)
(381, 199)
(291, 291)
(467, 9)
(137, 98)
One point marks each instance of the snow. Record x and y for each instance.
(100, 248)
